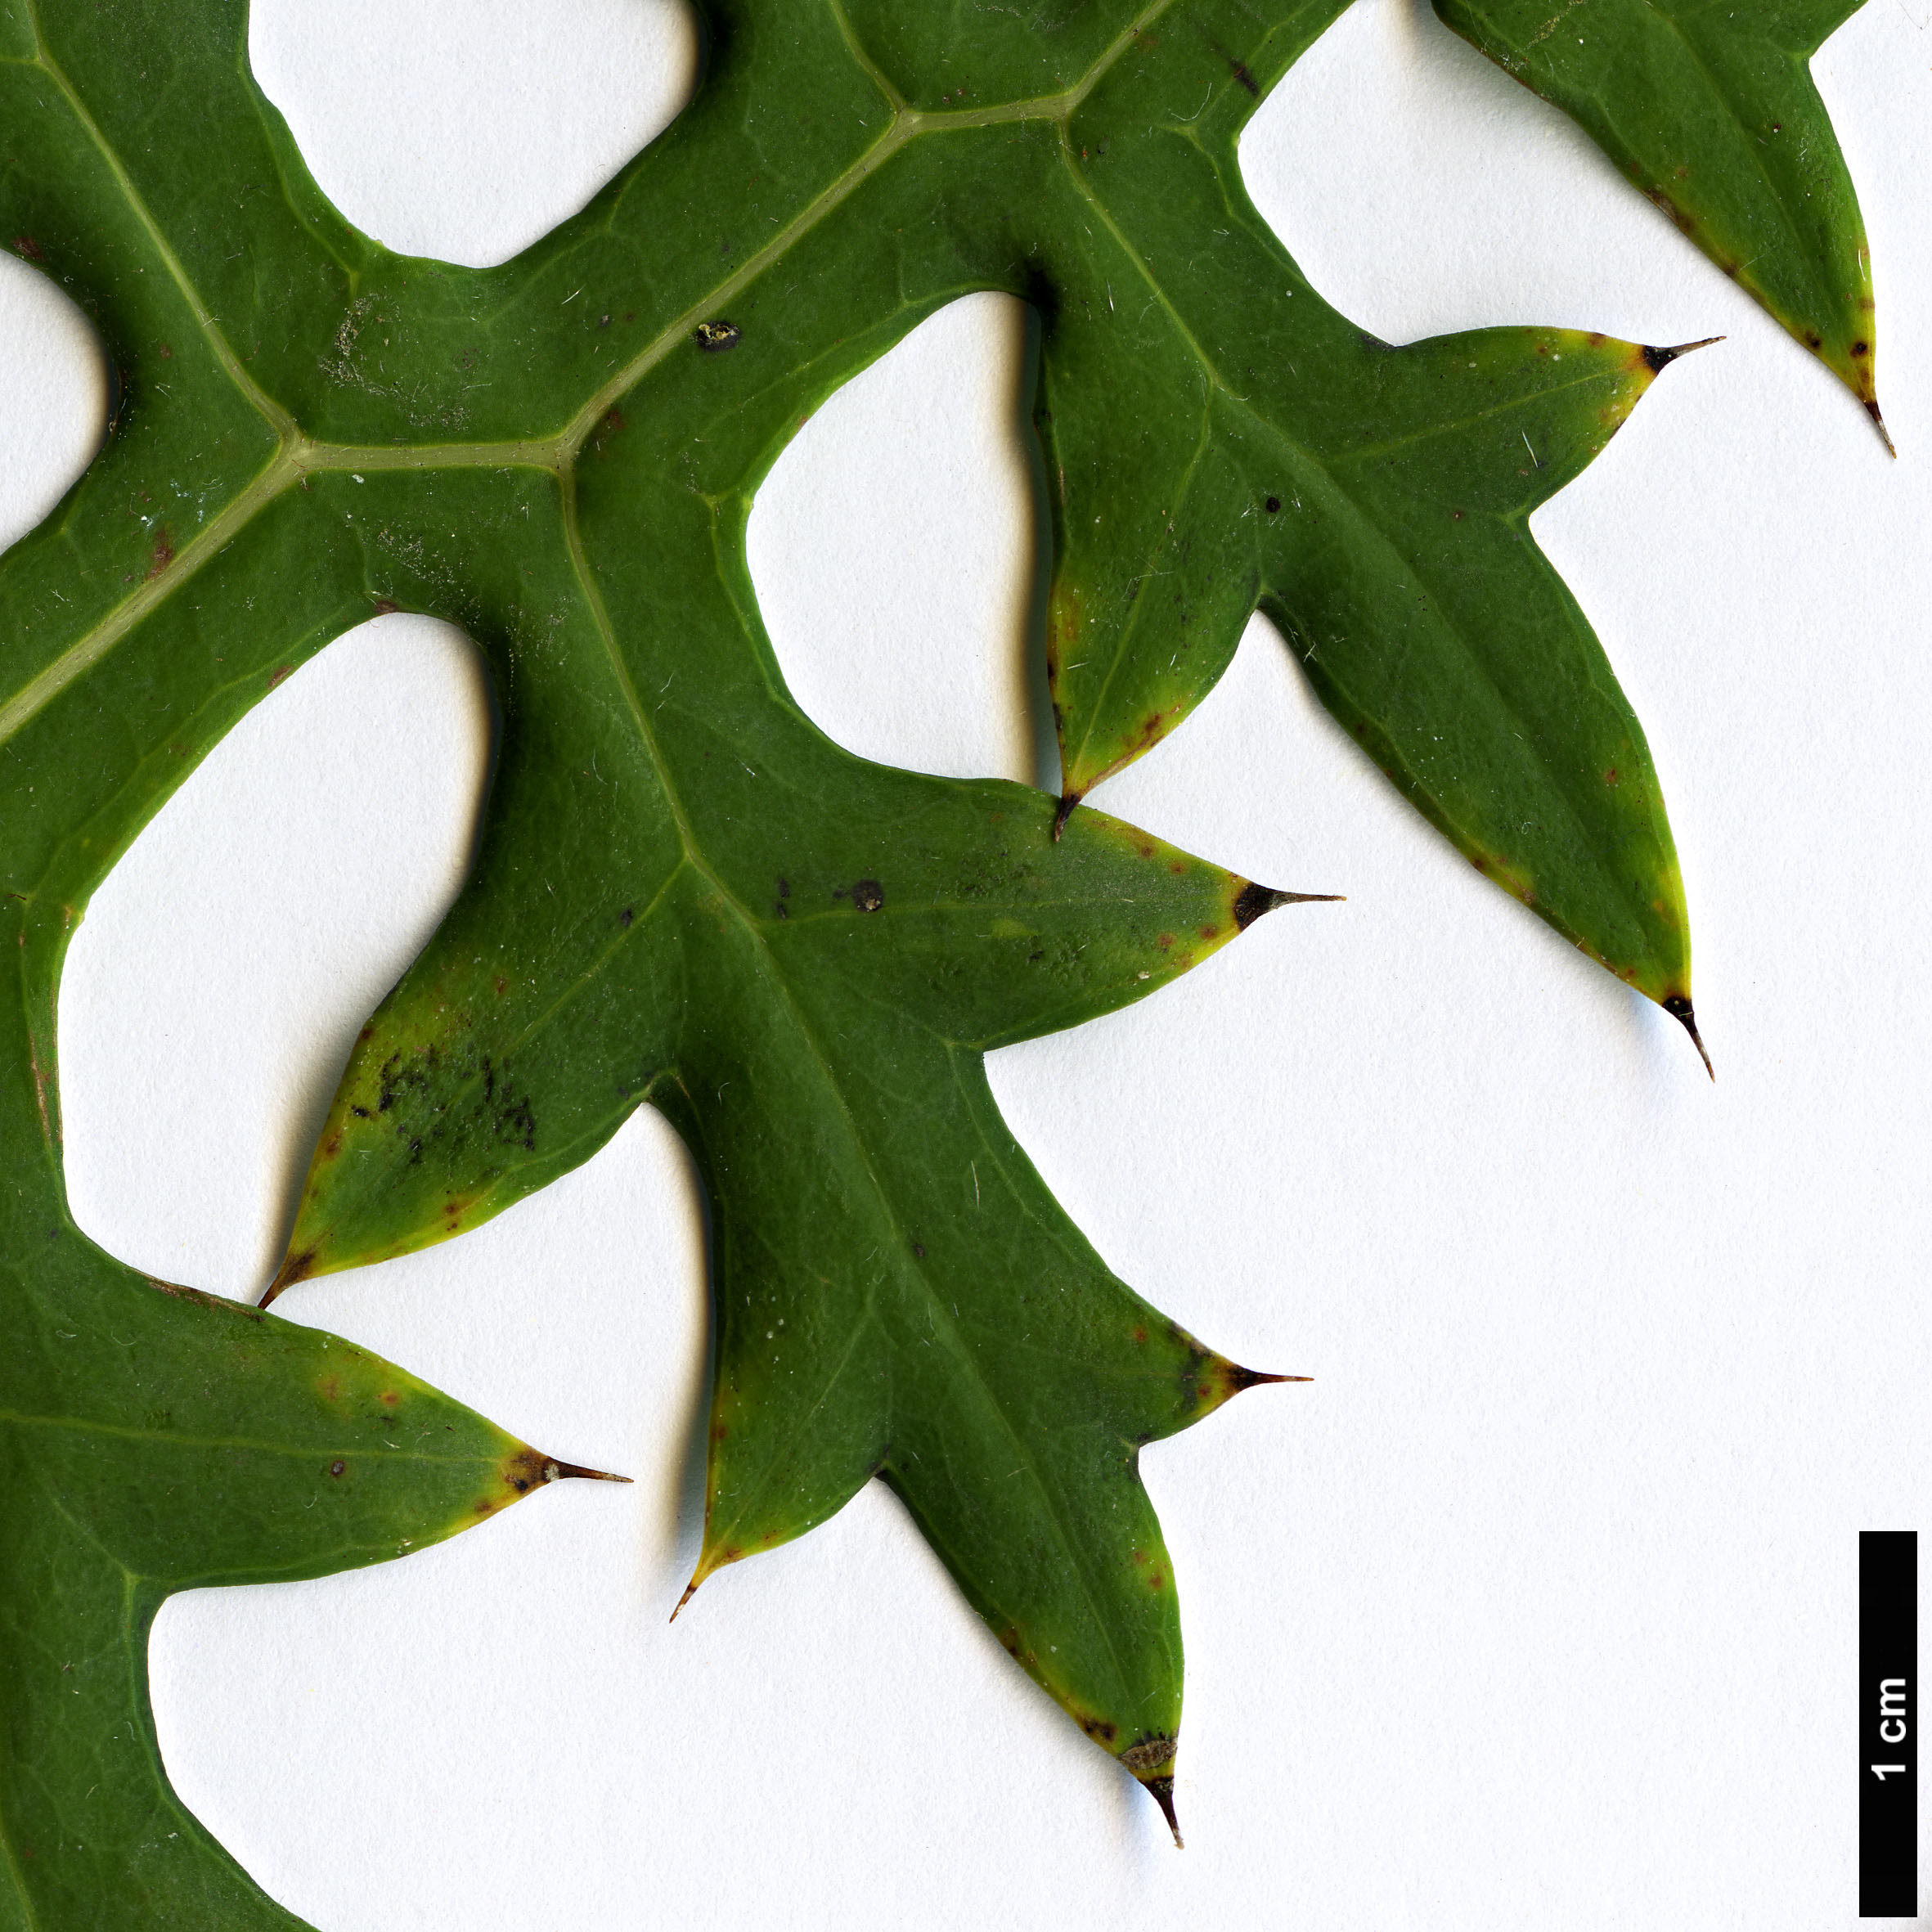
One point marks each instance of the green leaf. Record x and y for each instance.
(155, 1438)
(683, 892)
(1711, 111)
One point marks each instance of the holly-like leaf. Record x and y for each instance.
(683, 892)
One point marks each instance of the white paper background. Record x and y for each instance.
(1536, 1608)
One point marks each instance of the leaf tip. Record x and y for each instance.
(1152, 1762)
(296, 1268)
(709, 1558)
(1884, 435)
(1678, 1007)
(1657, 360)
(1253, 900)
(555, 1472)
(1162, 1791)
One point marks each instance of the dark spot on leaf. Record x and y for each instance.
(164, 553)
(624, 919)
(26, 245)
(516, 1124)
(1860, 348)
(1240, 72)
(337, 1466)
(1272, 506)
(919, 1252)
(868, 895)
(784, 886)
(715, 337)
(385, 607)
(276, 676)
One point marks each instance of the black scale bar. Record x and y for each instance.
(1888, 1724)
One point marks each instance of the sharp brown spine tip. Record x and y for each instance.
(690, 1591)
(1253, 1378)
(1161, 1790)
(1254, 901)
(1660, 358)
(1884, 435)
(1678, 1007)
(565, 1470)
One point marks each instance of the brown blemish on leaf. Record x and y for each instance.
(26, 245)
(715, 337)
(1149, 1761)
(1272, 506)
(163, 554)
(200, 1298)
(868, 895)
(386, 607)
(46, 1131)
(1239, 70)
(276, 676)
(338, 1467)
(525, 1469)
(1611, 778)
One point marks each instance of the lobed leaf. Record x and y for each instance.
(683, 893)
